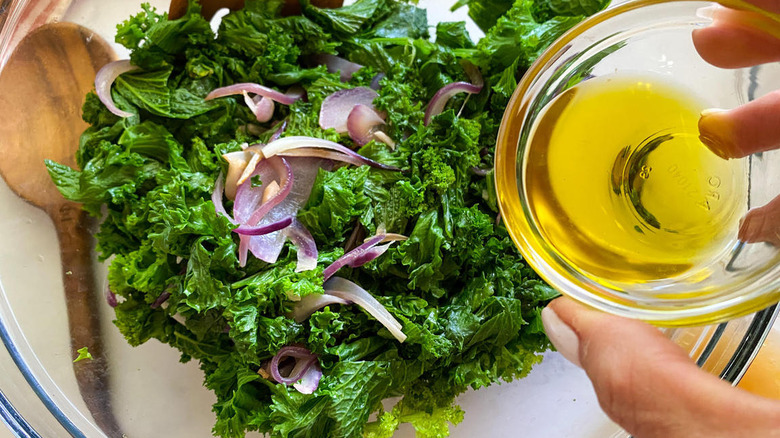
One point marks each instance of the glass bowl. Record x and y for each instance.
(640, 39)
(152, 394)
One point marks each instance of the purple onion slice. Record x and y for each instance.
(105, 78)
(337, 64)
(160, 300)
(375, 82)
(253, 88)
(362, 123)
(362, 254)
(268, 247)
(309, 304)
(237, 164)
(261, 106)
(304, 359)
(246, 230)
(440, 99)
(310, 380)
(252, 204)
(349, 291)
(288, 145)
(279, 131)
(336, 108)
(111, 298)
(216, 198)
(472, 71)
(304, 242)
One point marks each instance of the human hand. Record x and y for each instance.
(644, 381)
(648, 384)
(739, 39)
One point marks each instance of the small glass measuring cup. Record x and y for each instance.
(647, 37)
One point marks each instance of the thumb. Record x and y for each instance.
(648, 384)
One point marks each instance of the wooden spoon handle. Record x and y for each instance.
(72, 225)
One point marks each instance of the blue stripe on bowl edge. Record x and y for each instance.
(10, 416)
(7, 409)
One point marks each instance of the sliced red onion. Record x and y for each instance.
(237, 162)
(269, 246)
(249, 208)
(297, 92)
(348, 290)
(284, 172)
(390, 237)
(252, 129)
(286, 147)
(306, 170)
(262, 107)
(304, 360)
(361, 255)
(266, 247)
(384, 138)
(337, 64)
(111, 298)
(440, 99)
(263, 229)
(375, 82)
(304, 242)
(472, 71)
(480, 172)
(323, 153)
(336, 107)
(279, 131)
(361, 124)
(105, 78)
(358, 233)
(250, 167)
(253, 88)
(179, 318)
(160, 300)
(216, 198)
(309, 304)
(310, 380)
(368, 255)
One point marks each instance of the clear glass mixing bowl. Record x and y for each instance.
(153, 395)
(646, 37)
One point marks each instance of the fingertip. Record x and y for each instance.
(742, 131)
(562, 336)
(716, 132)
(568, 309)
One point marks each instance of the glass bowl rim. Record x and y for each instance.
(587, 292)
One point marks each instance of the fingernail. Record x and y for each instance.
(707, 11)
(562, 336)
(710, 111)
(713, 133)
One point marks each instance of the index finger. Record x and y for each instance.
(740, 38)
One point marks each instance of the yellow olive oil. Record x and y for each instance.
(620, 185)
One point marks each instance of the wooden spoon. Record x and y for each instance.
(42, 88)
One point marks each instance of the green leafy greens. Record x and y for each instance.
(468, 303)
(84, 354)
